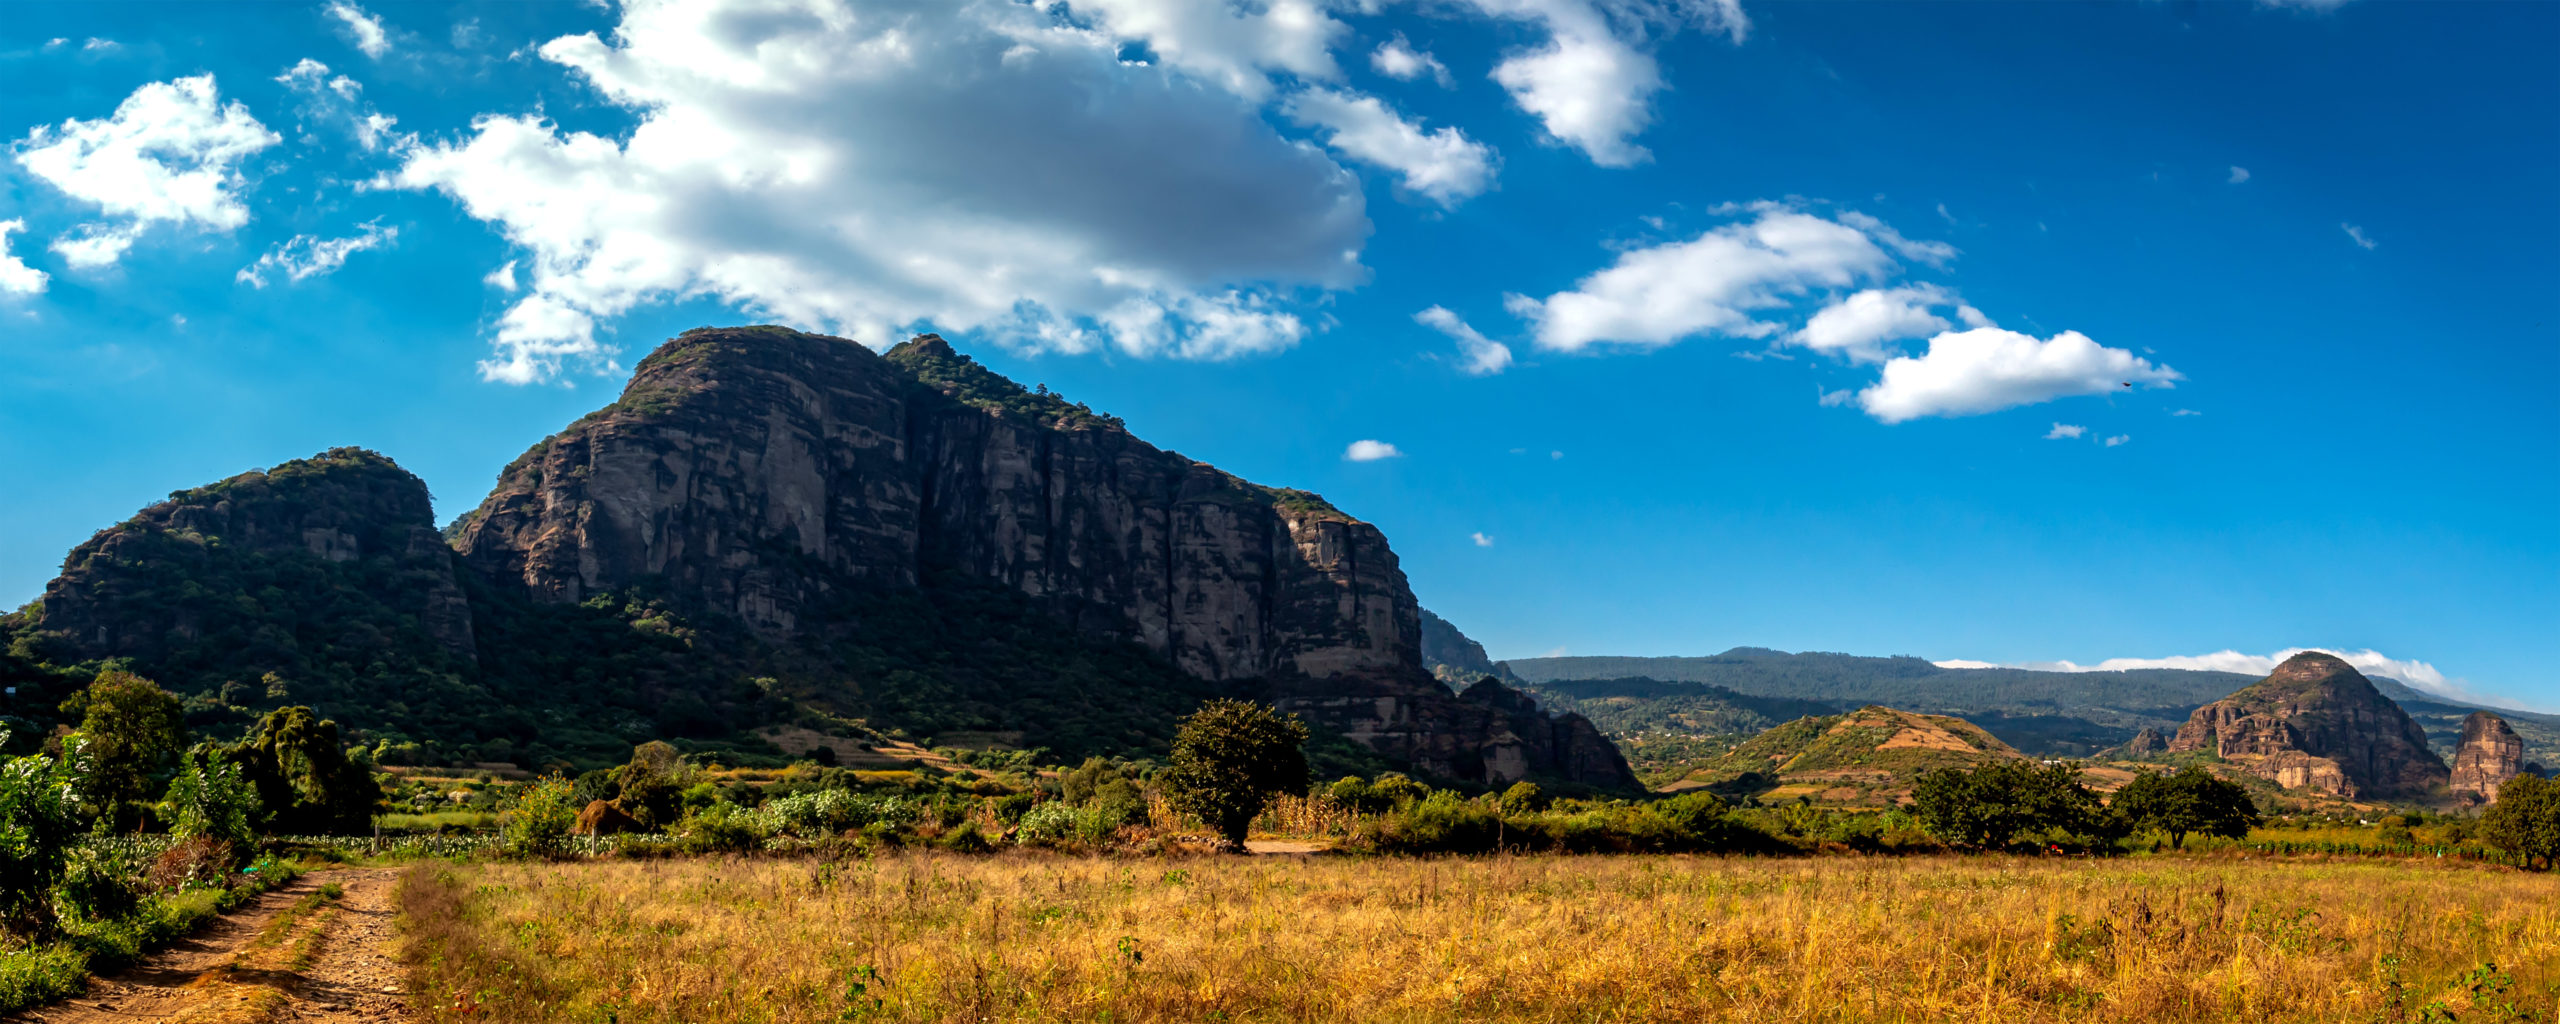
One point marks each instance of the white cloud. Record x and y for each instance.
(2118, 439)
(169, 154)
(1481, 540)
(1962, 663)
(1370, 451)
(1008, 173)
(2358, 234)
(1229, 44)
(1857, 327)
(1711, 284)
(308, 256)
(2415, 673)
(16, 277)
(2239, 174)
(1397, 59)
(339, 99)
(100, 46)
(503, 278)
(1988, 369)
(363, 29)
(1591, 85)
(2186, 412)
(1484, 356)
(1445, 164)
(2065, 432)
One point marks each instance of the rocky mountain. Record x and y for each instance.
(770, 527)
(1449, 655)
(2489, 755)
(2316, 723)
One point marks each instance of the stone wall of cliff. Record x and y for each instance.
(2490, 754)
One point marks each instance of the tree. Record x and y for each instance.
(653, 784)
(38, 821)
(306, 783)
(540, 822)
(132, 732)
(2011, 803)
(2526, 821)
(211, 798)
(1229, 757)
(2193, 800)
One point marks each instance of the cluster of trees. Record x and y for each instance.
(2013, 805)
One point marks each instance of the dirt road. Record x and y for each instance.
(351, 975)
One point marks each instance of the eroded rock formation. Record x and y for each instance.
(2316, 723)
(2489, 755)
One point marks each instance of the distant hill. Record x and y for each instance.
(1866, 757)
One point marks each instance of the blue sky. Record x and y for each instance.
(1688, 325)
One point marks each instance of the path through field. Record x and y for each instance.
(353, 978)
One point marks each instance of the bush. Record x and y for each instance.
(540, 822)
(37, 827)
(1049, 824)
(211, 797)
(1523, 798)
(720, 828)
(101, 882)
(966, 839)
(1443, 822)
(196, 862)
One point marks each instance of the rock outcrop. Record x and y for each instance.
(765, 474)
(2490, 754)
(2316, 723)
(2145, 743)
(285, 564)
(1451, 656)
(760, 471)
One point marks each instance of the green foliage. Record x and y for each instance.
(1048, 824)
(38, 821)
(653, 784)
(306, 783)
(1229, 758)
(2526, 820)
(959, 377)
(212, 798)
(2013, 805)
(1523, 798)
(539, 824)
(2193, 800)
(720, 828)
(1375, 796)
(133, 731)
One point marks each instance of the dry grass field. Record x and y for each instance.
(1024, 937)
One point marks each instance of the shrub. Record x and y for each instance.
(1523, 798)
(101, 882)
(195, 862)
(212, 798)
(540, 822)
(1443, 822)
(720, 828)
(1049, 824)
(966, 839)
(37, 826)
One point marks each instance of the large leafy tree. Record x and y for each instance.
(653, 784)
(131, 733)
(2526, 820)
(305, 782)
(2187, 801)
(1229, 757)
(2007, 804)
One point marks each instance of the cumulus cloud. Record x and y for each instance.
(2065, 432)
(1711, 284)
(2415, 673)
(1481, 540)
(1987, 369)
(169, 154)
(1397, 59)
(1445, 164)
(308, 256)
(1009, 173)
(503, 278)
(2359, 236)
(2185, 412)
(338, 100)
(1858, 326)
(1592, 84)
(1483, 356)
(17, 278)
(1232, 45)
(361, 28)
(1370, 451)
(2239, 174)
(2118, 439)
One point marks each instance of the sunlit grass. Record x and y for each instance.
(933, 937)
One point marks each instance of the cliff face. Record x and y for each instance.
(234, 562)
(2316, 723)
(772, 475)
(1451, 656)
(2490, 754)
(761, 471)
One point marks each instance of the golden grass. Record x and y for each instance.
(936, 937)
